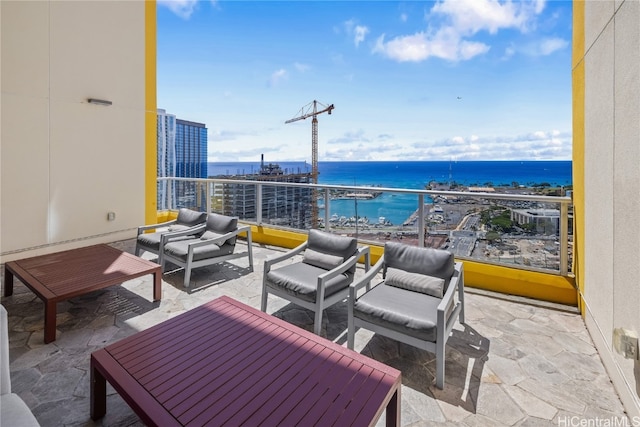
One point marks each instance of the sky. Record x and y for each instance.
(411, 80)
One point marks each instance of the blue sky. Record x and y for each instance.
(412, 80)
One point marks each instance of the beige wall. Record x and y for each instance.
(611, 279)
(65, 163)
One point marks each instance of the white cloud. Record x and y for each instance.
(301, 67)
(471, 16)
(360, 33)
(548, 46)
(462, 19)
(404, 17)
(542, 47)
(278, 76)
(182, 8)
(537, 145)
(445, 44)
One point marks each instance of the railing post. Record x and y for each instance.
(170, 205)
(326, 209)
(421, 242)
(259, 203)
(207, 192)
(564, 238)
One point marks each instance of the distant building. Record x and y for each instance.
(547, 221)
(182, 152)
(285, 206)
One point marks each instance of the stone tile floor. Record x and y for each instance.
(514, 363)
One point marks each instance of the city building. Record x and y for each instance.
(182, 152)
(285, 206)
(547, 221)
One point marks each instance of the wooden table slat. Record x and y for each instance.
(362, 398)
(298, 395)
(252, 384)
(161, 332)
(187, 357)
(219, 383)
(213, 375)
(286, 374)
(332, 389)
(181, 336)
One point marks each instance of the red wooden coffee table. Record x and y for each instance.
(225, 363)
(63, 275)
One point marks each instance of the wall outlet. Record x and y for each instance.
(625, 342)
(111, 216)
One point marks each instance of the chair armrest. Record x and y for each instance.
(164, 238)
(347, 264)
(154, 226)
(366, 279)
(448, 298)
(278, 258)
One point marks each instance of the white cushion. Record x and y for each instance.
(14, 412)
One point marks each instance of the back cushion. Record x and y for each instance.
(435, 263)
(416, 282)
(327, 250)
(221, 224)
(190, 218)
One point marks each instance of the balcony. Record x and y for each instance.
(515, 362)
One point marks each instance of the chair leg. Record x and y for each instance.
(187, 275)
(317, 324)
(263, 304)
(351, 333)
(440, 365)
(250, 249)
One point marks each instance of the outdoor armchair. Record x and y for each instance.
(417, 302)
(321, 279)
(214, 244)
(153, 242)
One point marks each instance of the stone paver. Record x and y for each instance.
(511, 364)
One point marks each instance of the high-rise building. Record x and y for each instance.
(182, 152)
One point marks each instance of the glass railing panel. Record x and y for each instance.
(516, 229)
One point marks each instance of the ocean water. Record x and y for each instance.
(411, 174)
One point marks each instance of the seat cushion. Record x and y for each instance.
(408, 312)
(337, 246)
(151, 241)
(180, 250)
(301, 280)
(190, 217)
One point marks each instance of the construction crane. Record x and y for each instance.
(313, 109)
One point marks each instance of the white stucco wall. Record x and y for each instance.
(612, 184)
(65, 163)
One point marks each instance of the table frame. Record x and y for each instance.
(64, 275)
(225, 363)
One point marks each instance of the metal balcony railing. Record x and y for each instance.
(526, 231)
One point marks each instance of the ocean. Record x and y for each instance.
(411, 174)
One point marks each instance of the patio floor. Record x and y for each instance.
(514, 363)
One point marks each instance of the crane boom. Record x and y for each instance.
(311, 110)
